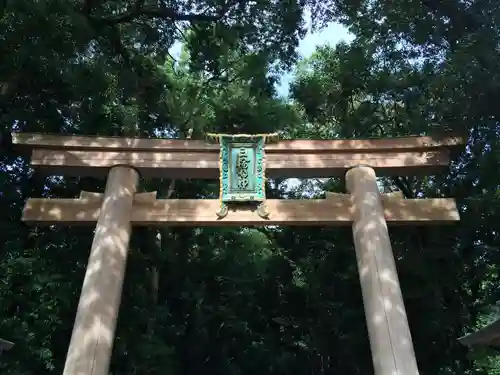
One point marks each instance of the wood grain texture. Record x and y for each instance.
(196, 212)
(390, 338)
(385, 196)
(205, 165)
(139, 197)
(52, 141)
(167, 158)
(93, 334)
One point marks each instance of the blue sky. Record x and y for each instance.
(332, 34)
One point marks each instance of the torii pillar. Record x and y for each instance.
(93, 334)
(388, 330)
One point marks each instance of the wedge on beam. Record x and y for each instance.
(196, 212)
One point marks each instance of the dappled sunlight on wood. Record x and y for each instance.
(93, 333)
(77, 155)
(389, 332)
(76, 142)
(148, 211)
(333, 145)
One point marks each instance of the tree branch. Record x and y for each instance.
(88, 5)
(403, 185)
(138, 10)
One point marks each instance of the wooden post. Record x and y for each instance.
(390, 338)
(5, 345)
(92, 339)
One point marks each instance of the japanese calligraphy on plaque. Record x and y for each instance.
(242, 171)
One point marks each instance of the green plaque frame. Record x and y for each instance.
(242, 171)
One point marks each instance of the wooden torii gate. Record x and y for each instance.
(123, 160)
(5, 345)
(487, 336)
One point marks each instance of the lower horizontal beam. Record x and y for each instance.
(202, 212)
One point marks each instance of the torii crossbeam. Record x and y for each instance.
(121, 207)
